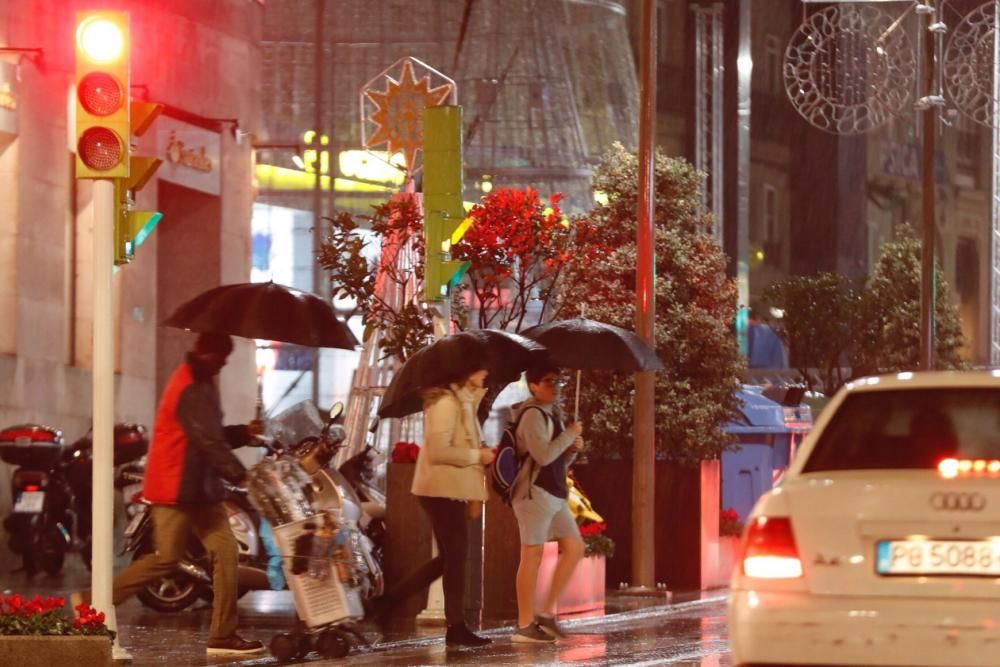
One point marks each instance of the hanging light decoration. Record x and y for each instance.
(849, 68)
(968, 65)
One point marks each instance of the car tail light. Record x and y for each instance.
(769, 551)
(951, 468)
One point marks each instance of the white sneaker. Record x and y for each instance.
(531, 634)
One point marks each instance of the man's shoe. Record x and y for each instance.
(234, 645)
(531, 634)
(550, 625)
(459, 635)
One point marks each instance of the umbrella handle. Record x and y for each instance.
(576, 410)
(259, 404)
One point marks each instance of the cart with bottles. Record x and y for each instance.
(321, 560)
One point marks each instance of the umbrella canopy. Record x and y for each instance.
(583, 344)
(267, 311)
(503, 354)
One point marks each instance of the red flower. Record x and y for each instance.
(13, 602)
(593, 528)
(405, 452)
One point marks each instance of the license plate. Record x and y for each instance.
(941, 557)
(30, 502)
(133, 525)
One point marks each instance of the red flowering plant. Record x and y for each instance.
(518, 248)
(729, 523)
(405, 452)
(46, 616)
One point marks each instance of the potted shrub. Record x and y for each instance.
(730, 530)
(39, 633)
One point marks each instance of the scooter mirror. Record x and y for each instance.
(336, 410)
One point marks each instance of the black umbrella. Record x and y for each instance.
(583, 344)
(503, 354)
(267, 311)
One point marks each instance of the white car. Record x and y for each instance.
(881, 546)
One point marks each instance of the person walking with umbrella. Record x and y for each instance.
(450, 483)
(539, 498)
(190, 452)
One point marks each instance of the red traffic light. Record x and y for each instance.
(100, 94)
(100, 148)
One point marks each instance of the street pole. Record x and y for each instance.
(644, 449)
(744, 71)
(994, 281)
(103, 377)
(317, 171)
(927, 227)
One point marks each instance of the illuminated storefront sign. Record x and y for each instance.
(8, 98)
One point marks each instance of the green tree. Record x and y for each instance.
(817, 325)
(888, 317)
(354, 274)
(695, 310)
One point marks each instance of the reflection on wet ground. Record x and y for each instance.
(690, 633)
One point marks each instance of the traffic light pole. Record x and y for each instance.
(103, 374)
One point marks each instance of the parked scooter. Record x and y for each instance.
(193, 578)
(51, 487)
(334, 490)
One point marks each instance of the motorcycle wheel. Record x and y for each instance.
(169, 594)
(46, 549)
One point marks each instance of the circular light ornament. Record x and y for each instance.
(968, 65)
(848, 70)
(100, 39)
(100, 148)
(100, 94)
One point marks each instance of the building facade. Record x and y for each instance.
(199, 60)
(820, 201)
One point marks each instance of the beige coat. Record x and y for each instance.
(448, 465)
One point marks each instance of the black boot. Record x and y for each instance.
(459, 635)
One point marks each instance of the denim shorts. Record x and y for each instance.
(544, 517)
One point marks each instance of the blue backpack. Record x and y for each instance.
(507, 463)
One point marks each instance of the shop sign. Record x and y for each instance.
(8, 98)
(190, 155)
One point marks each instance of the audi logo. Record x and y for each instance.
(958, 502)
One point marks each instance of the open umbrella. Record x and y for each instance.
(267, 311)
(583, 344)
(503, 354)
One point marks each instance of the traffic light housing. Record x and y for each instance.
(131, 227)
(444, 214)
(102, 94)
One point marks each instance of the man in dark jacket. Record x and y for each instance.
(189, 453)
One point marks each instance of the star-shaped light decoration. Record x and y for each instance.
(398, 113)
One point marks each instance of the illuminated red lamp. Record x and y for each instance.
(952, 468)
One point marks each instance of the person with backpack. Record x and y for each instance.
(539, 498)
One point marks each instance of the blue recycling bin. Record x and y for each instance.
(767, 435)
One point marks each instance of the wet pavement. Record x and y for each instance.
(691, 633)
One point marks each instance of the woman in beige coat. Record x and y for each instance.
(450, 482)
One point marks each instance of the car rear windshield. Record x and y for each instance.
(909, 429)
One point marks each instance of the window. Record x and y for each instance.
(968, 141)
(773, 78)
(770, 231)
(670, 31)
(908, 429)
